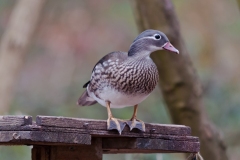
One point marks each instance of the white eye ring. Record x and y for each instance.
(157, 36)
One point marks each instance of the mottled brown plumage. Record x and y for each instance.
(123, 79)
(128, 76)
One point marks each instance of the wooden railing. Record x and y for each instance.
(61, 138)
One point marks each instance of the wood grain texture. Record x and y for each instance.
(90, 125)
(15, 120)
(42, 137)
(65, 132)
(41, 152)
(139, 145)
(93, 152)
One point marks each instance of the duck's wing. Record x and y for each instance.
(107, 60)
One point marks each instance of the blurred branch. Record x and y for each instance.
(14, 44)
(238, 1)
(179, 82)
(233, 138)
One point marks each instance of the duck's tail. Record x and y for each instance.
(86, 100)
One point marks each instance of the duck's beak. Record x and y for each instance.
(170, 47)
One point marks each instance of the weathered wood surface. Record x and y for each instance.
(101, 125)
(63, 131)
(90, 152)
(43, 138)
(147, 145)
(15, 120)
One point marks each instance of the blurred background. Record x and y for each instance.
(73, 35)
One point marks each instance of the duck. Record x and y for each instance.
(124, 79)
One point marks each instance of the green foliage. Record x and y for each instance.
(15, 152)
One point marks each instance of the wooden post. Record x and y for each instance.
(41, 152)
(59, 152)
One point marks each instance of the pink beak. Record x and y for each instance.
(170, 47)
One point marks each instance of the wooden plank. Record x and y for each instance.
(61, 137)
(143, 145)
(92, 152)
(20, 128)
(14, 136)
(105, 133)
(60, 132)
(88, 124)
(48, 138)
(99, 133)
(136, 134)
(41, 152)
(10, 120)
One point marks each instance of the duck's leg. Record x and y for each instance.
(134, 122)
(113, 123)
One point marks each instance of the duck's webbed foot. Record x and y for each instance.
(118, 124)
(136, 123)
(113, 123)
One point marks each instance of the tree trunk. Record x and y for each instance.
(238, 1)
(179, 82)
(14, 44)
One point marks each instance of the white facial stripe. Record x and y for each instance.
(148, 38)
(145, 38)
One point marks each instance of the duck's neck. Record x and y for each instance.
(139, 50)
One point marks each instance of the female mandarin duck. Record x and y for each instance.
(122, 79)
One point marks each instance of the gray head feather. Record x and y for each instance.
(150, 33)
(147, 43)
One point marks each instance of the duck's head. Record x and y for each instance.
(150, 41)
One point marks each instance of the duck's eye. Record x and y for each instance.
(157, 36)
